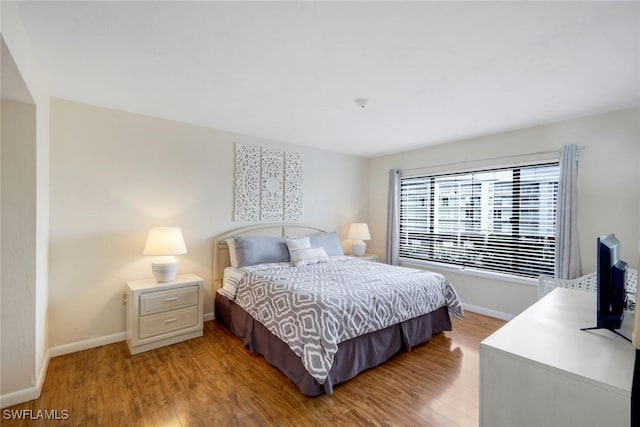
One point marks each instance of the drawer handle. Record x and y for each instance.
(171, 299)
(166, 322)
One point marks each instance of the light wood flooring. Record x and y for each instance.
(215, 381)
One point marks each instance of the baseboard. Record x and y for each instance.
(97, 342)
(43, 371)
(20, 396)
(27, 394)
(488, 312)
(86, 344)
(32, 393)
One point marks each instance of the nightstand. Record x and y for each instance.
(367, 257)
(160, 314)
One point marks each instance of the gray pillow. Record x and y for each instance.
(328, 241)
(260, 250)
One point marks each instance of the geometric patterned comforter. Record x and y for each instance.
(315, 307)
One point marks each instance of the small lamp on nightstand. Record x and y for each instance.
(359, 232)
(164, 243)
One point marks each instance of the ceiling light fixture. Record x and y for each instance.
(362, 102)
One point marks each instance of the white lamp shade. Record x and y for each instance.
(163, 241)
(359, 231)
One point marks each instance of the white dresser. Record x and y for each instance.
(540, 369)
(160, 314)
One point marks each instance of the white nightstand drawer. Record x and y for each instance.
(164, 313)
(167, 322)
(159, 301)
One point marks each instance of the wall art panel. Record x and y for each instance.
(268, 185)
(272, 185)
(247, 190)
(293, 163)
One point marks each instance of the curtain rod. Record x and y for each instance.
(465, 162)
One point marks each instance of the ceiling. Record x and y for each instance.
(433, 72)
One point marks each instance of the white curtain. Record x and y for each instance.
(568, 263)
(393, 219)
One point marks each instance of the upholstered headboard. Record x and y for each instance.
(221, 251)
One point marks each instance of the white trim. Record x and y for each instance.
(31, 393)
(476, 165)
(27, 394)
(469, 271)
(20, 396)
(86, 344)
(43, 371)
(97, 342)
(488, 312)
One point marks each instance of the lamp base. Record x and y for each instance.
(164, 268)
(358, 248)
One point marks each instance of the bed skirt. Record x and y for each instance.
(353, 356)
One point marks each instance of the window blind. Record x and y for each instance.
(493, 219)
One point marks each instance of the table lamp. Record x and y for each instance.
(359, 232)
(164, 243)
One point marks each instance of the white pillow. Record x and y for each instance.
(294, 243)
(231, 244)
(308, 256)
(230, 282)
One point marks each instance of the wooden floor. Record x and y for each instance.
(215, 381)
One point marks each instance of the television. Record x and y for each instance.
(611, 276)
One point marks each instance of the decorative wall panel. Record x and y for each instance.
(247, 190)
(293, 163)
(272, 185)
(268, 185)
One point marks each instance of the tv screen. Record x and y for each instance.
(611, 276)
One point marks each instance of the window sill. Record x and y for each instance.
(469, 271)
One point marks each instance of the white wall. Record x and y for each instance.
(27, 318)
(114, 175)
(609, 191)
(18, 245)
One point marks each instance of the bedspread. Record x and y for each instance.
(315, 307)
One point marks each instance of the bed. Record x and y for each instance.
(289, 293)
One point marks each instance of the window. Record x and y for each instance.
(499, 220)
